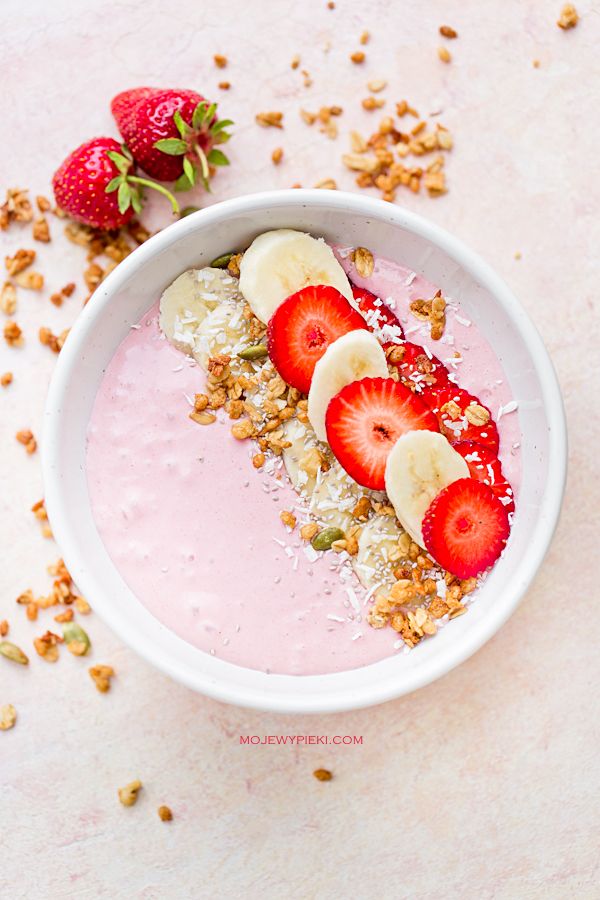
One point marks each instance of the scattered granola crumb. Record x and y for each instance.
(242, 429)
(165, 814)
(295, 61)
(448, 32)
(224, 85)
(101, 676)
(4, 628)
(15, 208)
(220, 60)
(357, 57)
(270, 119)
(43, 204)
(365, 37)
(25, 437)
(258, 460)
(128, 795)
(8, 298)
(41, 230)
(328, 184)
(203, 418)
(536, 63)
(19, 262)
(30, 281)
(277, 155)
(371, 103)
(233, 266)
(288, 519)
(331, 5)
(518, 255)
(8, 717)
(308, 531)
(47, 646)
(477, 414)
(376, 85)
(444, 54)
(568, 17)
(323, 774)
(363, 261)
(66, 616)
(82, 606)
(54, 341)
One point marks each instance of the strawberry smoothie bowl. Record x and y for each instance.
(304, 451)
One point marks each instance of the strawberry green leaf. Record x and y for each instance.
(217, 158)
(189, 170)
(171, 146)
(210, 112)
(124, 197)
(113, 184)
(200, 114)
(183, 183)
(126, 152)
(182, 127)
(220, 125)
(120, 161)
(136, 200)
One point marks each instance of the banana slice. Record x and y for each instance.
(331, 495)
(199, 305)
(279, 263)
(351, 357)
(420, 465)
(378, 539)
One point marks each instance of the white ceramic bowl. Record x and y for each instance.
(349, 219)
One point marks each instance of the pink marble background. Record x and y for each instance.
(483, 785)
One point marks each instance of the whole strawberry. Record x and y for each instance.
(97, 185)
(172, 134)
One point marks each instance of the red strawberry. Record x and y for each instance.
(449, 404)
(171, 133)
(303, 326)
(418, 370)
(365, 420)
(485, 466)
(96, 185)
(377, 314)
(466, 528)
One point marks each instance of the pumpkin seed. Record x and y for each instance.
(76, 639)
(11, 651)
(221, 262)
(187, 211)
(257, 351)
(325, 538)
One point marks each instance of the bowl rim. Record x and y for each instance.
(550, 506)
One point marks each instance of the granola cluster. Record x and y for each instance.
(382, 160)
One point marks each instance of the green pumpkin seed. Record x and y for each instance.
(325, 538)
(187, 211)
(76, 639)
(221, 262)
(257, 351)
(11, 651)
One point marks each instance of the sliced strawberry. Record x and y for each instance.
(365, 420)
(450, 404)
(379, 317)
(420, 371)
(466, 528)
(301, 329)
(485, 466)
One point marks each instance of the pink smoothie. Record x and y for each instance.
(194, 529)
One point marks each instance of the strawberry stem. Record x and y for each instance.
(145, 182)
